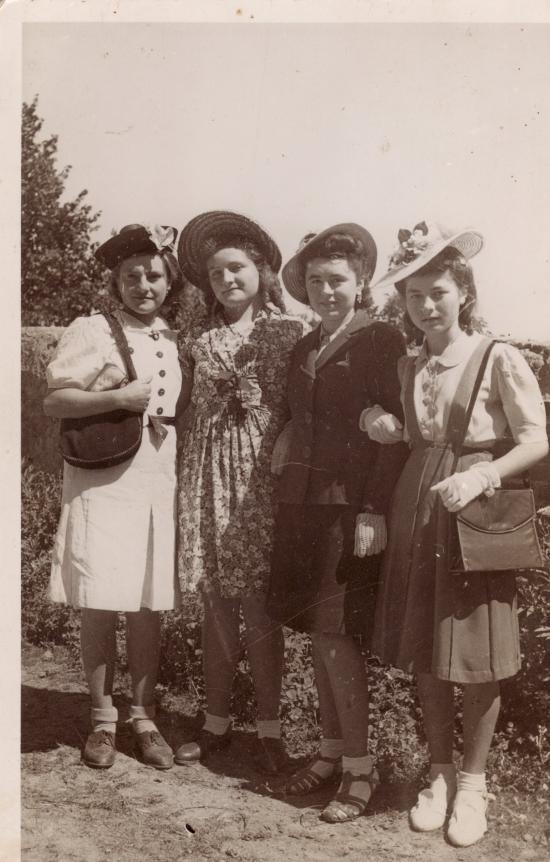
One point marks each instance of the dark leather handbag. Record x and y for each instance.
(107, 439)
(497, 533)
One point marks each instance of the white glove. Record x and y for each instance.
(281, 449)
(370, 534)
(381, 427)
(458, 490)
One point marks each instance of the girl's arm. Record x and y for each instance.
(72, 403)
(520, 458)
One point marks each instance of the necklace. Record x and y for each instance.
(153, 333)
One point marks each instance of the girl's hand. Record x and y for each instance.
(370, 534)
(458, 490)
(381, 427)
(136, 395)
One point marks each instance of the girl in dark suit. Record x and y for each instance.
(334, 490)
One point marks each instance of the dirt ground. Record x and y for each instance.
(225, 810)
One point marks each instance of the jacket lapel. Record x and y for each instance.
(308, 353)
(358, 322)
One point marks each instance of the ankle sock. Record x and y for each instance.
(443, 781)
(142, 718)
(104, 718)
(358, 765)
(472, 781)
(332, 748)
(216, 724)
(269, 728)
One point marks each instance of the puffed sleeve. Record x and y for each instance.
(81, 354)
(520, 395)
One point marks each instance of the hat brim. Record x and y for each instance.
(128, 243)
(293, 270)
(225, 226)
(467, 242)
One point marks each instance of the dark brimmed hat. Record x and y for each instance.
(222, 226)
(136, 239)
(293, 271)
(425, 241)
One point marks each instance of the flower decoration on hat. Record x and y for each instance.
(162, 237)
(411, 244)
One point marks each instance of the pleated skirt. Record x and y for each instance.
(461, 628)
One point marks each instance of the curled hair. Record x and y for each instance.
(449, 260)
(342, 246)
(173, 277)
(269, 287)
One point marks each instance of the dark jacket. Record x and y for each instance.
(331, 461)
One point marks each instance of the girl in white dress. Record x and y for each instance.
(114, 549)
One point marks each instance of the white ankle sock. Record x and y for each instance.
(472, 781)
(142, 718)
(104, 718)
(443, 781)
(216, 724)
(331, 748)
(269, 728)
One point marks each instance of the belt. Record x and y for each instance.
(164, 420)
(156, 423)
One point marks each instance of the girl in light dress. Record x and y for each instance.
(114, 549)
(235, 369)
(450, 628)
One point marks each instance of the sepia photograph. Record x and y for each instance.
(284, 349)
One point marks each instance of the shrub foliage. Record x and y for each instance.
(521, 752)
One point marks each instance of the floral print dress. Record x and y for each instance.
(226, 489)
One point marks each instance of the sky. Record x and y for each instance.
(301, 126)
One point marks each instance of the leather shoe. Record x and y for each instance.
(202, 746)
(272, 757)
(99, 751)
(153, 749)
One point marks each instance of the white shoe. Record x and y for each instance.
(430, 811)
(468, 821)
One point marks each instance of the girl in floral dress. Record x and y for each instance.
(235, 374)
(451, 628)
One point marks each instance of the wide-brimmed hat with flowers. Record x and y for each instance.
(136, 239)
(222, 226)
(424, 242)
(293, 271)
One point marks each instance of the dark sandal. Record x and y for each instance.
(306, 780)
(345, 802)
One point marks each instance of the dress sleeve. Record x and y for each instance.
(81, 354)
(520, 394)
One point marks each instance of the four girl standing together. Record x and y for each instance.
(356, 432)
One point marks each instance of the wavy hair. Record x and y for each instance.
(452, 261)
(342, 246)
(269, 287)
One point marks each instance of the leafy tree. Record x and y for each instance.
(60, 278)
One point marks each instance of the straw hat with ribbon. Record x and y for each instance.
(419, 246)
(222, 226)
(136, 239)
(294, 271)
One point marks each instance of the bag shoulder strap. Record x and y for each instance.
(470, 381)
(122, 343)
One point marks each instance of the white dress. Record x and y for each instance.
(115, 544)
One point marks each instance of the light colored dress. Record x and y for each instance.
(459, 627)
(114, 548)
(226, 489)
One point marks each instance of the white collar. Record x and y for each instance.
(455, 352)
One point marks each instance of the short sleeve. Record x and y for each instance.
(81, 354)
(520, 394)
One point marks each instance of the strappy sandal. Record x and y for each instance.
(345, 806)
(306, 780)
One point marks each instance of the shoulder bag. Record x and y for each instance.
(497, 533)
(106, 439)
